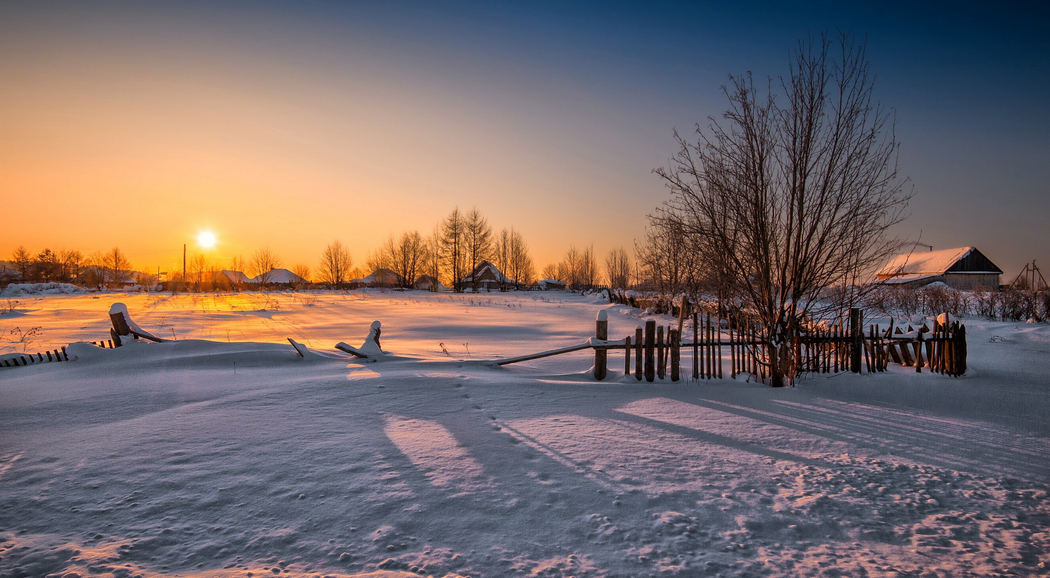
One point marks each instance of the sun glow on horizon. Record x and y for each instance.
(206, 239)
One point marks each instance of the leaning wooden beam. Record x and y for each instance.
(351, 350)
(542, 354)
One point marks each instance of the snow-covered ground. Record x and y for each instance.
(226, 454)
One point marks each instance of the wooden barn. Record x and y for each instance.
(964, 268)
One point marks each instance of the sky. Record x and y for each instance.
(290, 125)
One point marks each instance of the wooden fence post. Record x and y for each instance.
(856, 331)
(676, 354)
(650, 338)
(718, 340)
(918, 352)
(638, 343)
(696, 347)
(627, 356)
(661, 353)
(601, 356)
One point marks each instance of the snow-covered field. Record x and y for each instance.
(225, 454)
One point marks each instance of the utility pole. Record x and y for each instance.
(184, 263)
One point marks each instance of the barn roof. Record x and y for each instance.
(915, 266)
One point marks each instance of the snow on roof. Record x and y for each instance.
(283, 276)
(924, 264)
(381, 276)
(235, 276)
(274, 276)
(480, 270)
(908, 278)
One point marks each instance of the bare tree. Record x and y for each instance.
(589, 272)
(95, 273)
(302, 273)
(667, 259)
(550, 272)
(795, 191)
(501, 255)
(198, 272)
(570, 266)
(519, 262)
(336, 263)
(452, 246)
(380, 258)
(406, 256)
(431, 264)
(477, 237)
(618, 268)
(71, 262)
(263, 262)
(117, 267)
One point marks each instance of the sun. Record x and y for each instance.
(206, 239)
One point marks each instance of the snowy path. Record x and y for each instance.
(168, 460)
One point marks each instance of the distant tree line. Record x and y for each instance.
(100, 270)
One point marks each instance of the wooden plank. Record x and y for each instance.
(351, 350)
(510, 360)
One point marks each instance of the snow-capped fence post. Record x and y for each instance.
(601, 332)
(650, 338)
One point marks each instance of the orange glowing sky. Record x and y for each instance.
(140, 125)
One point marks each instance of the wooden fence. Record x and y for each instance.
(21, 360)
(719, 347)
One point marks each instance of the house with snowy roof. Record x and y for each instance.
(963, 268)
(428, 283)
(485, 277)
(278, 277)
(229, 279)
(381, 277)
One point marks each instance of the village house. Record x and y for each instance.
(964, 268)
(486, 277)
(381, 277)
